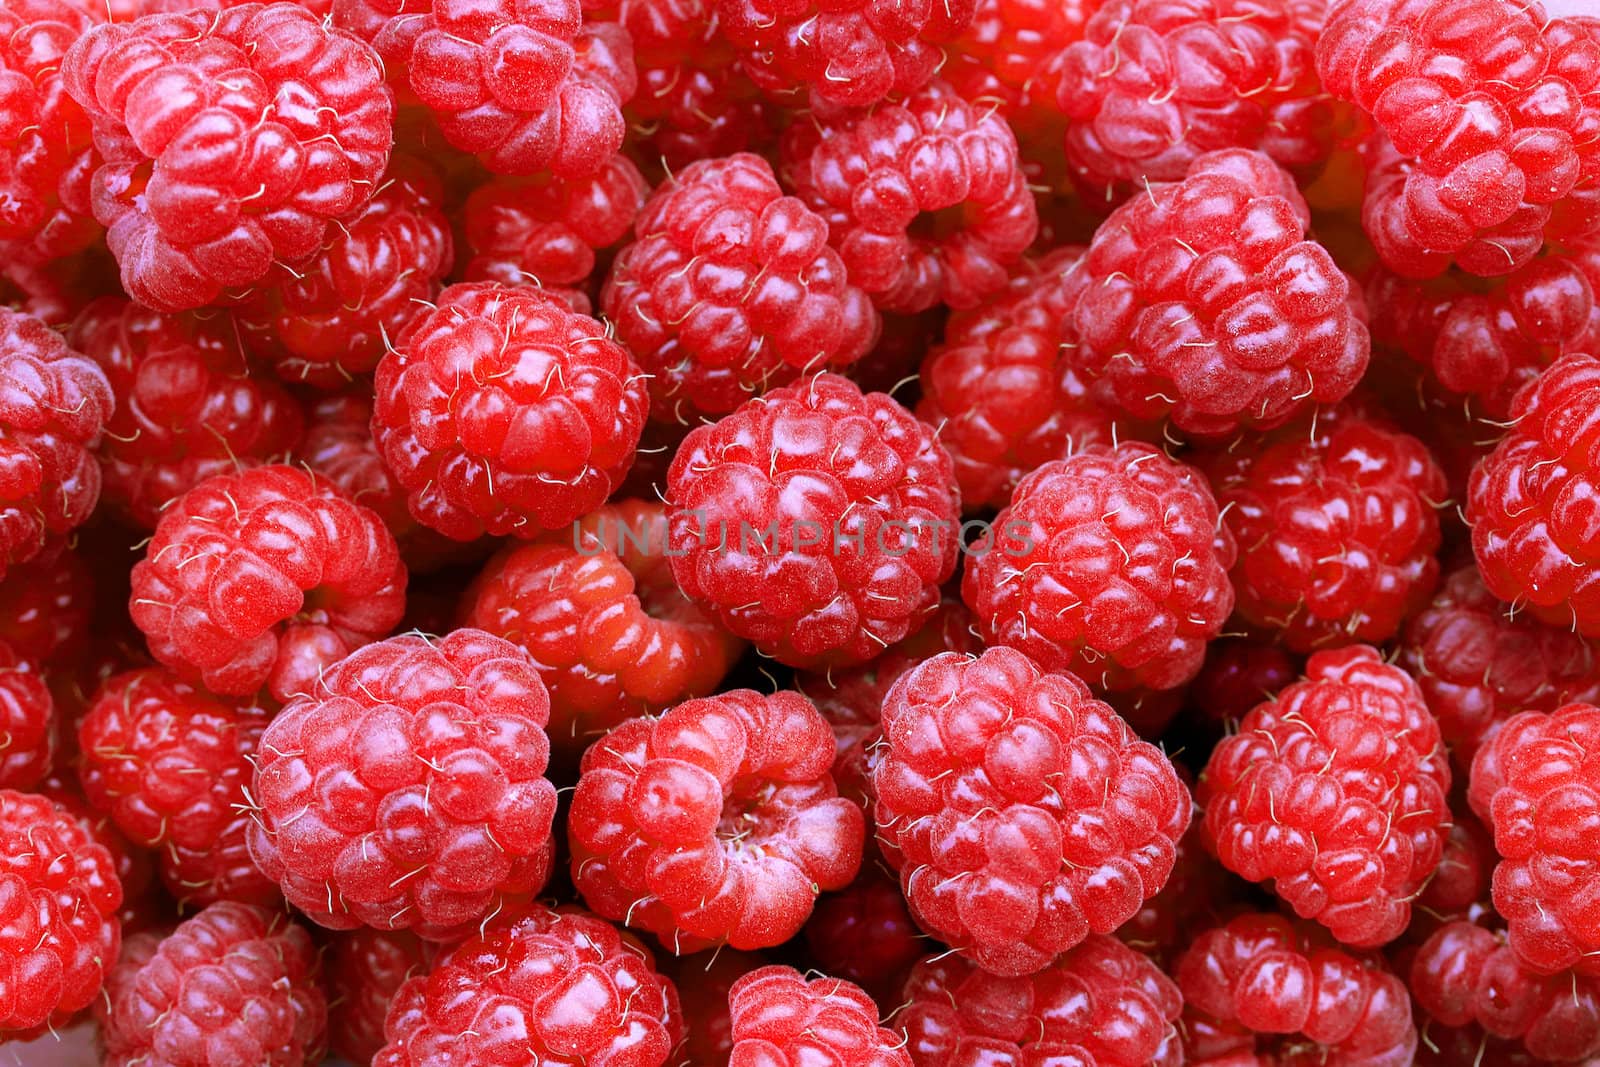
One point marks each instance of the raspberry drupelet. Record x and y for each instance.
(503, 411)
(27, 722)
(365, 969)
(703, 982)
(782, 1020)
(1011, 54)
(1334, 792)
(815, 522)
(220, 870)
(717, 823)
(542, 987)
(1022, 813)
(46, 610)
(1111, 563)
(262, 578)
(730, 289)
(407, 790)
(232, 140)
(865, 934)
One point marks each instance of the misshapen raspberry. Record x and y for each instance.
(781, 1019)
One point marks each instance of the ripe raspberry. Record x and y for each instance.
(27, 722)
(1022, 814)
(1012, 53)
(46, 609)
(731, 289)
(694, 101)
(1099, 1005)
(717, 823)
(61, 934)
(1491, 109)
(231, 139)
(53, 404)
(220, 870)
(815, 522)
(187, 404)
(1199, 894)
(1534, 784)
(597, 609)
(350, 824)
(1460, 884)
(503, 412)
(1111, 563)
(365, 969)
(263, 578)
(865, 934)
(1238, 674)
(232, 985)
(1203, 301)
(703, 982)
(782, 1020)
(1334, 792)
(558, 988)
(924, 199)
(132, 865)
(1531, 532)
(1261, 976)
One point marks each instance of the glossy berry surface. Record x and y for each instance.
(780, 1018)
(27, 722)
(221, 869)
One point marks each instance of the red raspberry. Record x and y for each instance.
(1492, 109)
(1013, 50)
(365, 970)
(1461, 882)
(1238, 674)
(597, 609)
(504, 412)
(1203, 301)
(1527, 502)
(703, 982)
(694, 101)
(188, 405)
(61, 895)
(731, 289)
(865, 934)
(232, 139)
(1334, 792)
(133, 867)
(717, 823)
(232, 985)
(782, 1020)
(1099, 1005)
(1199, 894)
(220, 870)
(46, 610)
(1534, 784)
(27, 722)
(53, 404)
(1261, 976)
(1111, 563)
(925, 198)
(263, 578)
(1022, 813)
(350, 824)
(558, 988)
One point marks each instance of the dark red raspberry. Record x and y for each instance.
(597, 609)
(703, 982)
(504, 412)
(1022, 813)
(61, 934)
(222, 869)
(558, 988)
(1199, 894)
(1100, 1005)
(1460, 884)
(1492, 110)
(865, 934)
(1111, 563)
(187, 403)
(232, 985)
(1238, 674)
(816, 522)
(782, 1020)
(924, 198)
(731, 289)
(1335, 793)
(231, 139)
(407, 790)
(717, 823)
(27, 722)
(262, 578)
(365, 969)
(46, 609)
(1534, 783)
(1262, 990)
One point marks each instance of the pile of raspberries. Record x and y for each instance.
(772, 533)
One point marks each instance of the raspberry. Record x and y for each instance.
(1197, 896)
(1111, 563)
(924, 199)
(1022, 814)
(1013, 48)
(46, 609)
(263, 578)
(865, 934)
(1337, 527)
(188, 406)
(1461, 881)
(1531, 531)
(1334, 792)
(234, 984)
(231, 139)
(559, 988)
(219, 870)
(730, 289)
(27, 722)
(1239, 674)
(131, 864)
(1533, 783)
(783, 1020)
(703, 982)
(61, 933)
(350, 822)
(366, 968)
(694, 102)
(1491, 109)
(1099, 1005)
(597, 609)
(717, 823)
(1260, 976)
(53, 404)
(1203, 301)
(503, 412)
